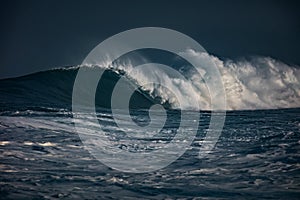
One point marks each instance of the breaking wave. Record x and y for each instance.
(256, 83)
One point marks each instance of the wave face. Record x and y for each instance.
(256, 83)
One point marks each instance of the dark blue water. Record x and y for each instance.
(42, 157)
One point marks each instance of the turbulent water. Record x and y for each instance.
(256, 156)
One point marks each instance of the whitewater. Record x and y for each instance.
(255, 83)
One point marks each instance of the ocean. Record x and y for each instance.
(256, 156)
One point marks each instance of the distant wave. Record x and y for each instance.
(256, 83)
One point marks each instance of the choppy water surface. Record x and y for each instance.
(257, 156)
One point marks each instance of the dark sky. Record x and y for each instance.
(38, 35)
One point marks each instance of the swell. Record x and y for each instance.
(53, 89)
(257, 83)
